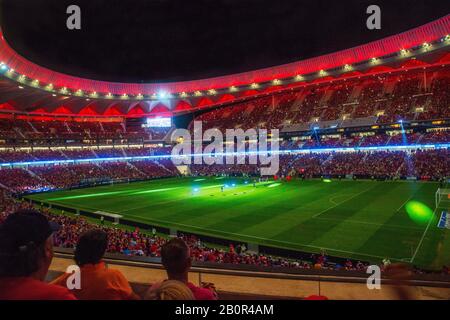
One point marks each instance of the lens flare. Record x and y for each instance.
(419, 212)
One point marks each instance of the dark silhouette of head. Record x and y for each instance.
(175, 256)
(26, 244)
(91, 247)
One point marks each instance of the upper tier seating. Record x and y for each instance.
(390, 97)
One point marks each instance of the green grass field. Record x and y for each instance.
(357, 219)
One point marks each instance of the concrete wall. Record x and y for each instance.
(257, 285)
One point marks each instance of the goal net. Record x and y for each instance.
(443, 198)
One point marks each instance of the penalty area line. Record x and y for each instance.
(423, 237)
(338, 204)
(394, 226)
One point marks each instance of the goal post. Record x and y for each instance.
(442, 198)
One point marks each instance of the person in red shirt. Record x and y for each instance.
(26, 252)
(176, 258)
(153, 249)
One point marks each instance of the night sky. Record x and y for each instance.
(174, 40)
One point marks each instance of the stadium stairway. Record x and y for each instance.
(32, 127)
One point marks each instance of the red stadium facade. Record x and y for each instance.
(30, 88)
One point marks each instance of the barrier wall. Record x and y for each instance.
(239, 282)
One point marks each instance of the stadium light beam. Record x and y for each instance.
(162, 94)
(404, 137)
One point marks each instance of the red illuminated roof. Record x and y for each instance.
(19, 96)
(426, 33)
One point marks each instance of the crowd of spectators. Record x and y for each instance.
(44, 154)
(423, 164)
(91, 240)
(66, 129)
(390, 98)
(393, 138)
(23, 275)
(21, 181)
(309, 142)
(42, 178)
(138, 243)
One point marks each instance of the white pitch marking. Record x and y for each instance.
(328, 209)
(339, 196)
(423, 237)
(370, 223)
(407, 200)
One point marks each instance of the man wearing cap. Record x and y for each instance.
(26, 252)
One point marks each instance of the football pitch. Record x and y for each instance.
(365, 220)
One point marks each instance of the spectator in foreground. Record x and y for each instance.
(26, 252)
(171, 290)
(400, 276)
(97, 281)
(176, 258)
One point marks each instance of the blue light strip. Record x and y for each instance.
(224, 154)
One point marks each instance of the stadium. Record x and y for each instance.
(362, 139)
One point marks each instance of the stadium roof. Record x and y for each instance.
(26, 86)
